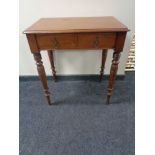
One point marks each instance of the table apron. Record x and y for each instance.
(76, 41)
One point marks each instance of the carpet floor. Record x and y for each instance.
(79, 122)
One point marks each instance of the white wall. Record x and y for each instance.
(83, 62)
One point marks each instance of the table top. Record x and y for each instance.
(77, 24)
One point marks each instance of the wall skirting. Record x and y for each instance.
(91, 77)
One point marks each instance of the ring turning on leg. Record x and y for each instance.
(42, 75)
(51, 58)
(104, 56)
(113, 72)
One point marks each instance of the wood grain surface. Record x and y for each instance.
(77, 24)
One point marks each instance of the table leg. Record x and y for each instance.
(42, 75)
(113, 72)
(104, 56)
(51, 58)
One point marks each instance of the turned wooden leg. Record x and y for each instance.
(113, 72)
(51, 58)
(42, 75)
(104, 56)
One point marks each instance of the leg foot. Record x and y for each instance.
(49, 100)
(108, 99)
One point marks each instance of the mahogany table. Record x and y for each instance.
(77, 33)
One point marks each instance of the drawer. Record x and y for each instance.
(76, 41)
(96, 40)
(56, 41)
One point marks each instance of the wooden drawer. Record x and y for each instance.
(76, 41)
(56, 41)
(96, 40)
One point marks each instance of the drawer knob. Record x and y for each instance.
(96, 42)
(55, 43)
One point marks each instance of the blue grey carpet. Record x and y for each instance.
(79, 123)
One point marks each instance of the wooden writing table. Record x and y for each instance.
(76, 33)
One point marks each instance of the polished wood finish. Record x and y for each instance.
(56, 41)
(42, 76)
(32, 43)
(77, 24)
(77, 33)
(113, 71)
(51, 59)
(76, 41)
(114, 67)
(96, 40)
(104, 57)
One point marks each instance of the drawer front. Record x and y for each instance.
(56, 41)
(96, 40)
(76, 41)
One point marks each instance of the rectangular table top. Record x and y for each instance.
(77, 24)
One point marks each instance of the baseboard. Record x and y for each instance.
(90, 77)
